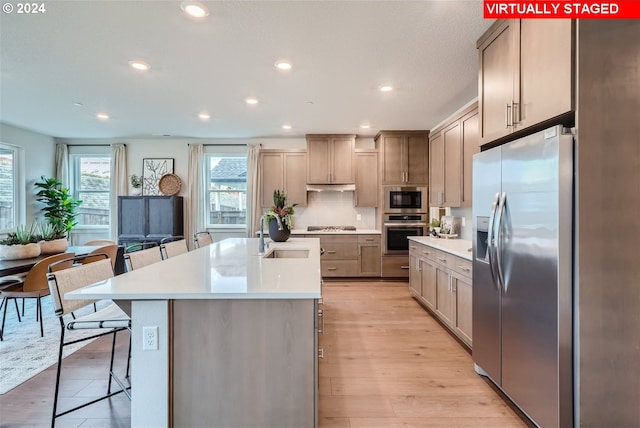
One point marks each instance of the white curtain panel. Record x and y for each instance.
(119, 183)
(194, 219)
(62, 164)
(253, 189)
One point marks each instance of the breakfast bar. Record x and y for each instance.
(223, 336)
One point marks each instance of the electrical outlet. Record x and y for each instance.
(358, 217)
(463, 222)
(150, 338)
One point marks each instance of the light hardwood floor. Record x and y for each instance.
(387, 363)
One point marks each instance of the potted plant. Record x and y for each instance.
(136, 184)
(21, 244)
(435, 226)
(59, 206)
(280, 217)
(51, 240)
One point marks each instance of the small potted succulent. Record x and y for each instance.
(136, 184)
(51, 239)
(283, 212)
(21, 244)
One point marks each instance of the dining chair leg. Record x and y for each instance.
(4, 315)
(39, 314)
(55, 394)
(23, 306)
(15, 302)
(113, 351)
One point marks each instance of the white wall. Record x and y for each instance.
(37, 153)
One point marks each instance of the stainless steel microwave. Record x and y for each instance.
(403, 200)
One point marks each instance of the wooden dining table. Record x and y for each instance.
(12, 267)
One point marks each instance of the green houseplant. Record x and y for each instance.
(59, 206)
(21, 244)
(136, 184)
(284, 213)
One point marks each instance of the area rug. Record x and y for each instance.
(23, 353)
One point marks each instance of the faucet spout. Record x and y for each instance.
(261, 242)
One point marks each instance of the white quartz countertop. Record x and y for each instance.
(457, 247)
(229, 269)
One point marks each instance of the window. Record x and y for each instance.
(91, 184)
(8, 187)
(226, 190)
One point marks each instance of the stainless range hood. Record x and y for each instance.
(331, 187)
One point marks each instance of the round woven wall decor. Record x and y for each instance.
(170, 184)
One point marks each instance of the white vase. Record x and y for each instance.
(17, 252)
(136, 191)
(55, 246)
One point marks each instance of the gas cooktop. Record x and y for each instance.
(330, 228)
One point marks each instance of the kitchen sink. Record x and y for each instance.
(287, 254)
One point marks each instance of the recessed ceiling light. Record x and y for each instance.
(194, 9)
(365, 126)
(283, 65)
(78, 104)
(386, 88)
(138, 65)
(251, 101)
(204, 116)
(286, 126)
(102, 116)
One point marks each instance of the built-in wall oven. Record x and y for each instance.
(396, 228)
(405, 200)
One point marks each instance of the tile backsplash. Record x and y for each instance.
(333, 209)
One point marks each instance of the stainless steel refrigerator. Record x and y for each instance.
(522, 273)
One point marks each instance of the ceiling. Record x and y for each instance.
(342, 52)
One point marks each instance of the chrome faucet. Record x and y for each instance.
(261, 243)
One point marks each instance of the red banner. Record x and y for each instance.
(621, 9)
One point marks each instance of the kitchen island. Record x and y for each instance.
(236, 335)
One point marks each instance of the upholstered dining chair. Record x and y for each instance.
(100, 242)
(111, 252)
(137, 259)
(32, 286)
(174, 248)
(108, 320)
(202, 239)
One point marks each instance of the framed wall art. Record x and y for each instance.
(152, 171)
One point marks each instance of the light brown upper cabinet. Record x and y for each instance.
(451, 150)
(367, 188)
(405, 157)
(330, 159)
(283, 169)
(526, 74)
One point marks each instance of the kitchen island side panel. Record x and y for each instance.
(243, 363)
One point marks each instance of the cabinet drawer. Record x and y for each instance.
(368, 239)
(395, 267)
(336, 268)
(459, 265)
(441, 258)
(339, 247)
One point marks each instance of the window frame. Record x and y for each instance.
(75, 174)
(227, 152)
(19, 202)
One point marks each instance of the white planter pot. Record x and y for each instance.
(136, 191)
(17, 252)
(54, 247)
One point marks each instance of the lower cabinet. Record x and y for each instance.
(442, 283)
(350, 255)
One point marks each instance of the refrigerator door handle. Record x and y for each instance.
(491, 243)
(499, 239)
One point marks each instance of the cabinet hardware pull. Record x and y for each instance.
(508, 114)
(404, 267)
(464, 268)
(369, 239)
(426, 252)
(413, 247)
(330, 252)
(514, 113)
(331, 268)
(356, 197)
(443, 260)
(321, 316)
(321, 353)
